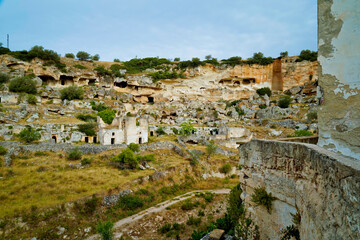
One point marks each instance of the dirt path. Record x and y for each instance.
(157, 208)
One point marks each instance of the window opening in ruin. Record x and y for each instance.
(91, 82)
(112, 141)
(121, 84)
(150, 99)
(63, 82)
(54, 140)
(248, 80)
(86, 139)
(151, 133)
(94, 139)
(140, 140)
(113, 134)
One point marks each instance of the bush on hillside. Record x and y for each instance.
(82, 55)
(284, 102)
(233, 61)
(303, 133)
(3, 150)
(160, 131)
(187, 129)
(226, 168)
(195, 62)
(88, 129)
(29, 134)
(102, 71)
(23, 84)
(261, 197)
(307, 55)
(86, 117)
(72, 92)
(105, 230)
(258, 58)
(116, 60)
(69, 55)
(4, 78)
(79, 66)
(98, 107)
(31, 99)
(107, 116)
(74, 154)
(263, 91)
(96, 57)
(126, 157)
(134, 147)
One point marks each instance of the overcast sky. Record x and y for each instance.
(125, 29)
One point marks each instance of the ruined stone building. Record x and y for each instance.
(123, 130)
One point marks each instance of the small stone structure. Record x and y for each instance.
(123, 130)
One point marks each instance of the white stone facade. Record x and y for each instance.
(123, 130)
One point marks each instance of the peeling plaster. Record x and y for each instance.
(344, 62)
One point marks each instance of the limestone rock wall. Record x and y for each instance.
(339, 58)
(297, 73)
(322, 186)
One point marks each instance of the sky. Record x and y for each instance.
(126, 29)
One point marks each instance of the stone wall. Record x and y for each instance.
(322, 186)
(339, 77)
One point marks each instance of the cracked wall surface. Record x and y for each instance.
(339, 76)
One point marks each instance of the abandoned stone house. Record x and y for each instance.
(123, 130)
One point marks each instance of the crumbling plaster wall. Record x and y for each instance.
(322, 186)
(339, 76)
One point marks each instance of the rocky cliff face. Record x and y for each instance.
(321, 186)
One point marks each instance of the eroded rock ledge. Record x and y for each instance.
(323, 187)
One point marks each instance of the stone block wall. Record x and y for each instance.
(322, 186)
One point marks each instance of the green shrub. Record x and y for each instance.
(79, 66)
(138, 65)
(156, 76)
(195, 62)
(261, 197)
(263, 91)
(69, 55)
(160, 131)
(134, 147)
(72, 92)
(98, 107)
(31, 99)
(210, 149)
(193, 221)
(4, 78)
(307, 55)
(23, 84)
(102, 71)
(258, 58)
(130, 202)
(115, 69)
(303, 133)
(233, 61)
(116, 60)
(146, 158)
(107, 116)
(312, 116)
(3, 150)
(188, 205)
(175, 131)
(29, 134)
(90, 205)
(74, 154)
(208, 196)
(83, 55)
(96, 57)
(284, 54)
(226, 168)
(105, 230)
(290, 232)
(284, 101)
(126, 157)
(262, 106)
(166, 228)
(197, 235)
(239, 111)
(87, 128)
(187, 129)
(86, 117)
(85, 161)
(40, 153)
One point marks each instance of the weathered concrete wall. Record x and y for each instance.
(339, 77)
(324, 187)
